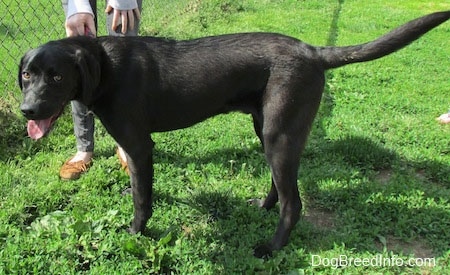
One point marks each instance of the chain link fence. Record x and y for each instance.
(28, 24)
(24, 25)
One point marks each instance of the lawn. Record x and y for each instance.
(374, 177)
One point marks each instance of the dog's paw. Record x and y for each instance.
(127, 191)
(263, 251)
(256, 202)
(132, 231)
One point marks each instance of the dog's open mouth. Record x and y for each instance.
(39, 128)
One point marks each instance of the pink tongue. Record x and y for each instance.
(38, 128)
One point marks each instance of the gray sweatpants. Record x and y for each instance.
(83, 120)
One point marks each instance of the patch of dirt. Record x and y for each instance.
(320, 218)
(417, 248)
(384, 176)
(421, 174)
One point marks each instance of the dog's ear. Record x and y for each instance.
(89, 68)
(19, 76)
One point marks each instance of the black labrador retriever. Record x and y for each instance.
(141, 85)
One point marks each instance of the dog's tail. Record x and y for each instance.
(334, 57)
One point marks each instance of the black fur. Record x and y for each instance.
(141, 85)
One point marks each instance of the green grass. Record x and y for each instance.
(375, 176)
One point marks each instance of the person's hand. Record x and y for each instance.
(126, 18)
(80, 24)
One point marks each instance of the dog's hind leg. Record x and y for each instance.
(272, 197)
(283, 161)
(288, 115)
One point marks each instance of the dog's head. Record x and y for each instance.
(52, 75)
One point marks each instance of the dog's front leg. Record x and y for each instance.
(141, 172)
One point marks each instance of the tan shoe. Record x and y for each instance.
(123, 162)
(73, 170)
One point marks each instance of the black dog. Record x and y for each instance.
(141, 85)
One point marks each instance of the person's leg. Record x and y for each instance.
(117, 32)
(83, 120)
(84, 133)
(83, 124)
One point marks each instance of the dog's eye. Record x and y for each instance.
(57, 78)
(26, 75)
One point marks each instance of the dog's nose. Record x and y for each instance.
(28, 110)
